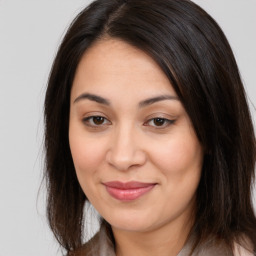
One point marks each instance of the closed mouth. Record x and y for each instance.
(128, 191)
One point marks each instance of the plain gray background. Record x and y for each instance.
(30, 32)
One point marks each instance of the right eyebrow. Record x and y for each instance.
(153, 100)
(92, 97)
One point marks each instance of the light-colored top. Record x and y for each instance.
(101, 245)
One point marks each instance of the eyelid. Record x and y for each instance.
(169, 120)
(167, 123)
(86, 120)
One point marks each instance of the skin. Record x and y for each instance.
(128, 143)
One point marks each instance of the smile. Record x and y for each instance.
(128, 191)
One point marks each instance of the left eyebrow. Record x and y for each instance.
(92, 97)
(153, 100)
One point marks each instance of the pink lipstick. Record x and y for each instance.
(128, 191)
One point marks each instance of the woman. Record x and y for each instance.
(146, 118)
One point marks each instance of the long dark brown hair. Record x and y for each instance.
(196, 57)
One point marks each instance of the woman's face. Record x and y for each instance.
(134, 149)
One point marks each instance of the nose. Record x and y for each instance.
(125, 150)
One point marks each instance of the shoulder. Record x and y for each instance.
(90, 248)
(243, 246)
(240, 250)
(99, 245)
(217, 247)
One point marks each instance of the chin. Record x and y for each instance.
(136, 222)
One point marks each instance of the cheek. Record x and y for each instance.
(87, 153)
(179, 157)
(180, 162)
(84, 154)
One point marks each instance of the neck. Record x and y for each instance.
(167, 240)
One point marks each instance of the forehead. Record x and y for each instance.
(116, 66)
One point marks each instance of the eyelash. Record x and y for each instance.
(90, 121)
(166, 122)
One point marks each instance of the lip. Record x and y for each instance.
(128, 191)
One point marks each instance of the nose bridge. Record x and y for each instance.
(125, 150)
(122, 137)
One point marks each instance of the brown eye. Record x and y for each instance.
(159, 121)
(95, 121)
(98, 120)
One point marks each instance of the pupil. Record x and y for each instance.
(98, 120)
(158, 121)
